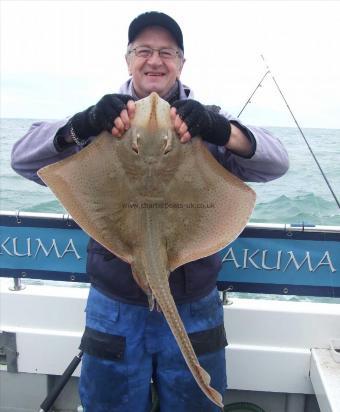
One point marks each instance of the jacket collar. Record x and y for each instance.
(184, 91)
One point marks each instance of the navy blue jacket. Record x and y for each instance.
(113, 277)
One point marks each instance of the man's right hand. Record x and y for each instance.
(112, 113)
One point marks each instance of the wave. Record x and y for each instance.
(307, 208)
(52, 206)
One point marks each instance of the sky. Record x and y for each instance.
(59, 57)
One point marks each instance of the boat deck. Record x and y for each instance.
(325, 378)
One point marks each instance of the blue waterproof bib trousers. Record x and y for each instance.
(127, 345)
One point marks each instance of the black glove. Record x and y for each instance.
(204, 122)
(99, 117)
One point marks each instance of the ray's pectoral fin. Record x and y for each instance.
(91, 186)
(216, 206)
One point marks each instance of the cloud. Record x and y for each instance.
(60, 57)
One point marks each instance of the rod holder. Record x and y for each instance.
(17, 285)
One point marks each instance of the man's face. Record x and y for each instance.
(154, 74)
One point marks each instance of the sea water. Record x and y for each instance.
(300, 196)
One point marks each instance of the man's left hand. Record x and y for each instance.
(191, 119)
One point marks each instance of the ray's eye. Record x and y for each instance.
(135, 148)
(134, 144)
(167, 144)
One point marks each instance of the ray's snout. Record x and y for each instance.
(153, 113)
(152, 127)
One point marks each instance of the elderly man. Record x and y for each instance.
(125, 345)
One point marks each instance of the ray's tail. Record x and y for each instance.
(165, 301)
(152, 267)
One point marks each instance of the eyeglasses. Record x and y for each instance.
(146, 52)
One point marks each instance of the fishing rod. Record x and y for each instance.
(55, 392)
(48, 402)
(257, 87)
(296, 122)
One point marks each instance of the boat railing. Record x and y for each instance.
(285, 259)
